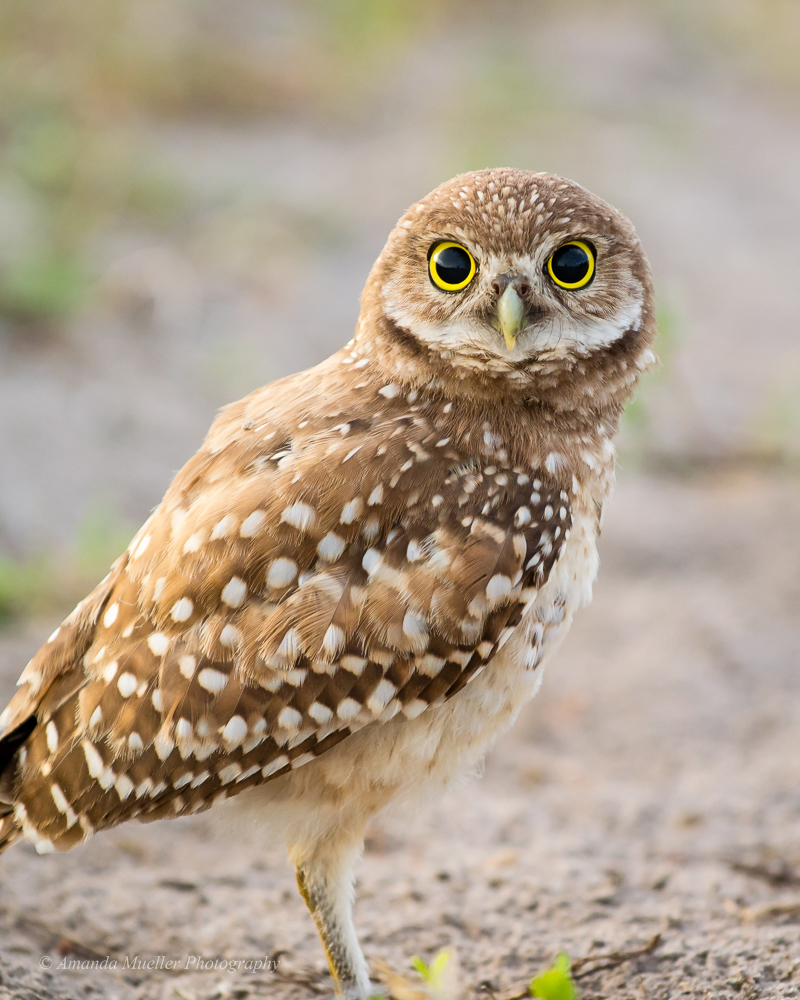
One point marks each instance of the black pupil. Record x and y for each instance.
(453, 265)
(571, 264)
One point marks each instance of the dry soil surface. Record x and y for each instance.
(653, 787)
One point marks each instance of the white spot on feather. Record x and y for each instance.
(235, 731)
(163, 744)
(289, 718)
(281, 572)
(414, 552)
(354, 664)
(94, 762)
(381, 696)
(289, 648)
(234, 592)
(187, 665)
(274, 765)
(430, 665)
(371, 560)
(230, 636)
(414, 708)
(141, 548)
(229, 773)
(144, 787)
(62, 805)
(124, 787)
(158, 643)
(127, 684)
(223, 527)
(498, 587)
(300, 515)
(252, 524)
(414, 625)
(352, 510)
(371, 529)
(182, 610)
(522, 517)
(348, 708)
(331, 547)
(193, 542)
(212, 680)
(333, 641)
(320, 713)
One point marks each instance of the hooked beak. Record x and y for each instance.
(510, 315)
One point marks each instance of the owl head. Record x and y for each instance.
(510, 273)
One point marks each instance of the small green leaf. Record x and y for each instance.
(556, 982)
(437, 975)
(420, 966)
(437, 969)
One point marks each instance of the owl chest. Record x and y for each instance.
(489, 704)
(397, 760)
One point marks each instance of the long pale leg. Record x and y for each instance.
(325, 880)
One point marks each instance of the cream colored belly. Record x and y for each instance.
(403, 758)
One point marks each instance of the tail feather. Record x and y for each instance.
(10, 745)
(9, 831)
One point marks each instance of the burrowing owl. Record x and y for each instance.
(351, 589)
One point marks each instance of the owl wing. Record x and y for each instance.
(293, 586)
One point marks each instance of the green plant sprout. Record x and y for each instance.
(438, 975)
(556, 982)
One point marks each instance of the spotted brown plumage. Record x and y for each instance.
(247, 630)
(349, 590)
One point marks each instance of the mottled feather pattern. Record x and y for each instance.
(349, 592)
(300, 580)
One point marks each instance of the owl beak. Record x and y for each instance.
(510, 315)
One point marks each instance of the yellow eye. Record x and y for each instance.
(572, 265)
(451, 266)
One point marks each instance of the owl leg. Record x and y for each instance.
(325, 880)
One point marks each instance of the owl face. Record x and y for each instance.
(502, 267)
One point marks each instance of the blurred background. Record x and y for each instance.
(191, 196)
(192, 193)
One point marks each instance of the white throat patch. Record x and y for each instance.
(467, 342)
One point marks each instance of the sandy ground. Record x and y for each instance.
(653, 787)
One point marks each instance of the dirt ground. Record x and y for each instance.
(653, 787)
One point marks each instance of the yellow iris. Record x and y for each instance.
(572, 264)
(452, 267)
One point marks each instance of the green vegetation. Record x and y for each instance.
(42, 286)
(556, 982)
(438, 976)
(49, 583)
